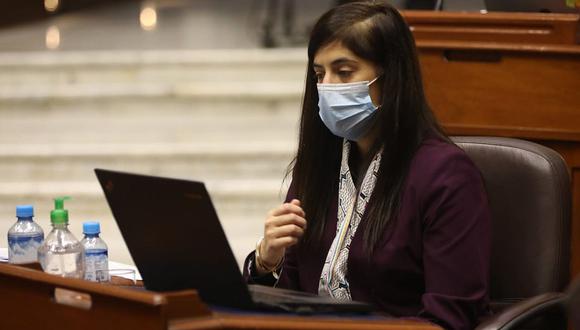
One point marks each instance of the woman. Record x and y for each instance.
(382, 207)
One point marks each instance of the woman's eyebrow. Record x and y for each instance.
(336, 62)
(342, 61)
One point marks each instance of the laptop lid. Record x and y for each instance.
(174, 236)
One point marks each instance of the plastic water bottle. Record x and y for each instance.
(24, 237)
(61, 253)
(96, 253)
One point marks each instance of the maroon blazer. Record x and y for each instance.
(434, 266)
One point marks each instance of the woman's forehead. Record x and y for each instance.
(332, 52)
(335, 53)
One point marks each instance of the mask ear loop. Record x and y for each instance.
(372, 81)
(369, 84)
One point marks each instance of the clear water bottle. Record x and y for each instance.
(96, 253)
(61, 253)
(24, 237)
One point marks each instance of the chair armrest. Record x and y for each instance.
(523, 311)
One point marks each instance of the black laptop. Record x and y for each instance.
(177, 242)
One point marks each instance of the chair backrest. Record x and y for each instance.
(528, 186)
(574, 305)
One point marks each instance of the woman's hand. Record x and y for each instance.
(284, 226)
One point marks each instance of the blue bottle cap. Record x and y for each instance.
(91, 227)
(24, 211)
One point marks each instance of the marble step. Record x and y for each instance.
(70, 67)
(228, 118)
(236, 90)
(100, 117)
(196, 102)
(93, 133)
(229, 196)
(197, 161)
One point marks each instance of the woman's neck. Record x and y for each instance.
(363, 147)
(359, 159)
(366, 143)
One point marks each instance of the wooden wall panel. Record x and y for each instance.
(525, 92)
(576, 222)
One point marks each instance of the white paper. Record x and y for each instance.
(3, 254)
(112, 265)
(117, 265)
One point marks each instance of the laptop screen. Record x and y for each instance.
(174, 236)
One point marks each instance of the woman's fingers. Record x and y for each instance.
(281, 243)
(287, 230)
(292, 207)
(283, 228)
(286, 219)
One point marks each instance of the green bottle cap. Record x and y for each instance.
(59, 215)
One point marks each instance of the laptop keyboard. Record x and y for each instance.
(303, 302)
(262, 293)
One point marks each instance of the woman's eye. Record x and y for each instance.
(319, 77)
(344, 74)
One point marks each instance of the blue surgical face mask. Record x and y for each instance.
(347, 109)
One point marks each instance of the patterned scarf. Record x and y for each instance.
(351, 207)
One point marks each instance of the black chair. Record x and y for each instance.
(573, 305)
(528, 187)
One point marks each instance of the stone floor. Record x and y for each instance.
(152, 112)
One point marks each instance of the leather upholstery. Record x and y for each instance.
(528, 187)
(548, 305)
(573, 305)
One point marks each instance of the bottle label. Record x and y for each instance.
(96, 266)
(67, 264)
(24, 248)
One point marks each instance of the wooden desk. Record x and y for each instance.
(270, 322)
(495, 27)
(31, 299)
(507, 74)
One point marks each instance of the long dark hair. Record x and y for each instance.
(375, 32)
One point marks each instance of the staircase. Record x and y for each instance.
(228, 118)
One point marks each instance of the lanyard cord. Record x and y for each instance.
(342, 234)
